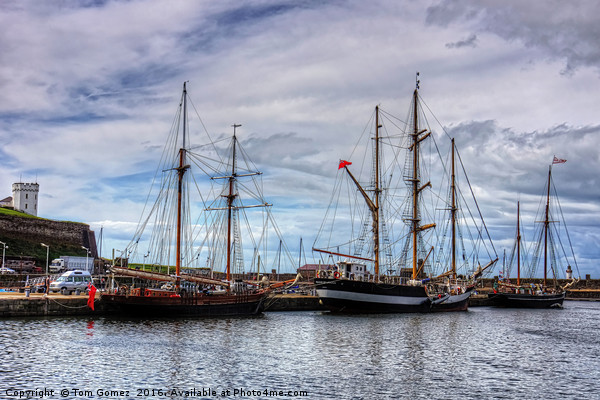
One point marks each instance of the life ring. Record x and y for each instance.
(336, 275)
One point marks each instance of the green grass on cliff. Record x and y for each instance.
(9, 211)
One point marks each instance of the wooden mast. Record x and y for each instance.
(453, 215)
(546, 226)
(377, 190)
(415, 184)
(180, 172)
(415, 220)
(373, 205)
(230, 198)
(518, 245)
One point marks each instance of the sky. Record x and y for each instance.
(89, 90)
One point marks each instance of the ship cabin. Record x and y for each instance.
(351, 270)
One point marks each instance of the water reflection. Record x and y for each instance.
(484, 353)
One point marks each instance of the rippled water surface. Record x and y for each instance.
(484, 353)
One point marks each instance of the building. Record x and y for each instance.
(6, 202)
(24, 198)
(311, 271)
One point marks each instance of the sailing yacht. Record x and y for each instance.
(377, 274)
(507, 294)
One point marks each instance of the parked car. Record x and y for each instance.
(71, 281)
(5, 270)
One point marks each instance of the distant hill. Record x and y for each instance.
(24, 233)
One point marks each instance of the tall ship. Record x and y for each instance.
(545, 255)
(379, 232)
(191, 257)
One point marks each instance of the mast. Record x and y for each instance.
(300, 254)
(415, 181)
(180, 172)
(279, 259)
(230, 198)
(518, 245)
(453, 215)
(415, 184)
(372, 204)
(377, 191)
(546, 226)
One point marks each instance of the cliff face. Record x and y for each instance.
(24, 235)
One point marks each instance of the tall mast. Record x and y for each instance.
(415, 183)
(300, 254)
(518, 245)
(546, 226)
(373, 205)
(180, 172)
(377, 191)
(416, 189)
(453, 215)
(230, 199)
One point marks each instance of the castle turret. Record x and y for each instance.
(25, 197)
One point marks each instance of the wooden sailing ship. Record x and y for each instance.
(518, 295)
(188, 290)
(353, 287)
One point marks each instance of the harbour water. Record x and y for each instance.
(485, 353)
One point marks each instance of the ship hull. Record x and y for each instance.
(348, 296)
(187, 306)
(459, 302)
(518, 300)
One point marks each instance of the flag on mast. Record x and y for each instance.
(343, 163)
(557, 160)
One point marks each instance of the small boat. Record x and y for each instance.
(388, 265)
(173, 236)
(518, 295)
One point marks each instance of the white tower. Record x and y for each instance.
(25, 197)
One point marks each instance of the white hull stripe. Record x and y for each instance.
(457, 298)
(370, 298)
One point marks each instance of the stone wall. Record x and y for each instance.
(37, 230)
(42, 228)
(39, 305)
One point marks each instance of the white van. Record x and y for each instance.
(71, 281)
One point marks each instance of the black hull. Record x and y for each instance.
(200, 306)
(348, 296)
(517, 300)
(459, 302)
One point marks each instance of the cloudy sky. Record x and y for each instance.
(88, 90)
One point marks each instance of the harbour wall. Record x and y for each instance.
(19, 305)
(14, 304)
(24, 235)
(293, 302)
(43, 228)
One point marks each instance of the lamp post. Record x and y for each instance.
(3, 252)
(47, 253)
(87, 253)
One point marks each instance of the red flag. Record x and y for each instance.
(343, 163)
(92, 296)
(558, 160)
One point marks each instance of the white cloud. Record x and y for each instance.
(89, 92)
